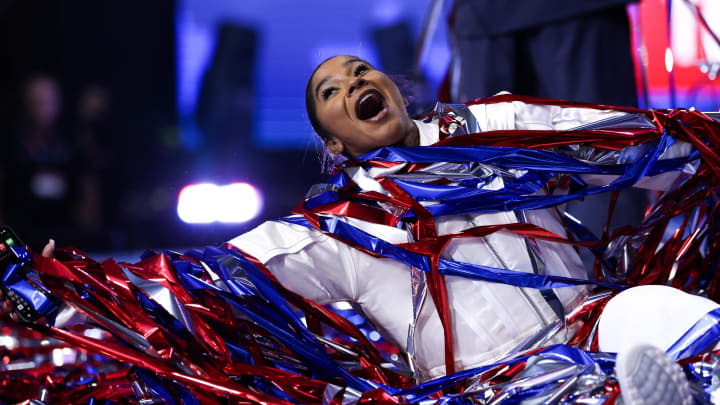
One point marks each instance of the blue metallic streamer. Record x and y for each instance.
(517, 193)
(326, 197)
(447, 267)
(272, 313)
(563, 353)
(702, 336)
(512, 158)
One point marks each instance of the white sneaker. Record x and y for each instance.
(647, 376)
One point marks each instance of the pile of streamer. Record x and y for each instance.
(215, 327)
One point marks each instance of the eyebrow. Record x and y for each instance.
(345, 64)
(351, 61)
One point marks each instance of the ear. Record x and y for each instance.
(334, 146)
(406, 102)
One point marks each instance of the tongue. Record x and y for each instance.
(369, 106)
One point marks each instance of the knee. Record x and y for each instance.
(652, 314)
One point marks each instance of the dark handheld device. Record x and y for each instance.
(31, 301)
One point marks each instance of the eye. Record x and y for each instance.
(360, 69)
(328, 92)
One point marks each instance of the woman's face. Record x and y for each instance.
(360, 107)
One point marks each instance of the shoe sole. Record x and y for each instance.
(647, 376)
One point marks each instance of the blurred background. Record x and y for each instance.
(131, 125)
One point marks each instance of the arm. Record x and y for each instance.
(326, 270)
(304, 260)
(522, 116)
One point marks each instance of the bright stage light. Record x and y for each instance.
(206, 202)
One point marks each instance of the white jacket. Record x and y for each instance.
(488, 319)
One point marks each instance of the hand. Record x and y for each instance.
(49, 249)
(7, 306)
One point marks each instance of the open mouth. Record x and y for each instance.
(369, 105)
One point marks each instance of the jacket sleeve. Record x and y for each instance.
(522, 116)
(304, 260)
(326, 270)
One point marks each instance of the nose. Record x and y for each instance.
(356, 84)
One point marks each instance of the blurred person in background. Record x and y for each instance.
(560, 49)
(39, 186)
(557, 49)
(90, 137)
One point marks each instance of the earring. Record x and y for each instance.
(334, 146)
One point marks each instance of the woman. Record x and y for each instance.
(357, 109)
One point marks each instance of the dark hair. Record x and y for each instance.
(310, 105)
